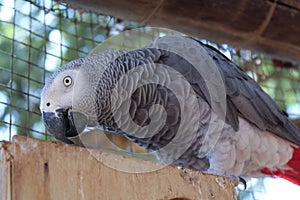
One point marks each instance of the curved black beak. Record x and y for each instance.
(64, 123)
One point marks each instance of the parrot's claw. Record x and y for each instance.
(243, 181)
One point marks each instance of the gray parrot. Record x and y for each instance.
(181, 100)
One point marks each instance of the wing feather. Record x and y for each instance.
(251, 102)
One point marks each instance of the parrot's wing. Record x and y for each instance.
(245, 98)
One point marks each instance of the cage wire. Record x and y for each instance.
(36, 37)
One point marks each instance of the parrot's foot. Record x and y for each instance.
(235, 179)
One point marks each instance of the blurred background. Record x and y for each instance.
(37, 37)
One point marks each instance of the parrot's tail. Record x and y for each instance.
(293, 174)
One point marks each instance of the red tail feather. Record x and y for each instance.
(293, 174)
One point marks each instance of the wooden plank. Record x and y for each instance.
(5, 171)
(47, 170)
(269, 26)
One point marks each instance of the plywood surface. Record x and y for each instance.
(35, 169)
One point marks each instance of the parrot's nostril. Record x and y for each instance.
(48, 104)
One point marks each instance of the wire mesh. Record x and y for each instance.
(36, 37)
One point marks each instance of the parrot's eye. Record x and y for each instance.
(67, 81)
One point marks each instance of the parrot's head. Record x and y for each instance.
(57, 102)
(69, 97)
